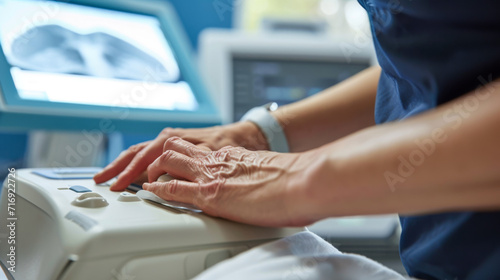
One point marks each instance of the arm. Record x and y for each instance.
(443, 160)
(331, 114)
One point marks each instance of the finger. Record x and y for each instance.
(184, 147)
(143, 178)
(175, 190)
(137, 166)
(176, 165)
(119, 164)
(207, 196)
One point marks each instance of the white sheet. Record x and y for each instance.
(301, 256)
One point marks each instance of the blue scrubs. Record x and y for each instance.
(433, 51)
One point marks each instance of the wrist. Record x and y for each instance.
(269, 127)
(248, 135)
(306, 185)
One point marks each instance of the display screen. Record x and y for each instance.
(67, 53)
(257, 81)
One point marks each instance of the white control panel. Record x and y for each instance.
(67, 227)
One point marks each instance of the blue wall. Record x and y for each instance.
(12, 152)
(197, 15)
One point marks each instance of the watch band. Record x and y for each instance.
(269, 126)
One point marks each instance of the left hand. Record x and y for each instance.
(234, 183)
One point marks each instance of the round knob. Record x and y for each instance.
(90, 200)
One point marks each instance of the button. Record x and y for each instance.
(79, 189)
(128, 197)
(90, 200)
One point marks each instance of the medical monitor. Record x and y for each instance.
(77, 64)
(247, 70)
(258, 80)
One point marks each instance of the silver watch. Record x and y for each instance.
(269, 126)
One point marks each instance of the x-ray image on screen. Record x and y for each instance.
(62, 52)
(54, 48)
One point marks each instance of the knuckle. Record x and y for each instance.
(150, 168)
(125, 152)
(221, 155)
(137, 160)
(140, 155)
(193, 151)
(134, 149)
(167, 155)
(167, 131)
(161, 160)
(170, 142)
(172, 187)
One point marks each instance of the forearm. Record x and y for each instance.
(446, 159)
(331, 114)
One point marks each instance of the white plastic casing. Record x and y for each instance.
(127, 239)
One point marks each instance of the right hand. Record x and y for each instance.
(131, 165)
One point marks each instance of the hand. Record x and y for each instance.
(234, 183)
(131, 165)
